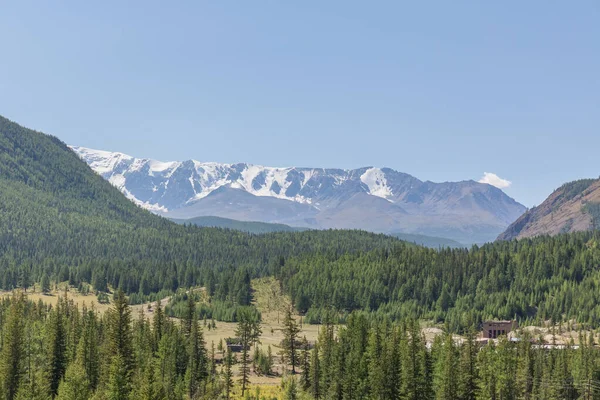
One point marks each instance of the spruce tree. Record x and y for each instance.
(248, 330)
(447, 378)
(376, 367)
(75, 385)
(228, 373)
(120, 342)
(291, 330)
(57, 347)
(158, 324)
(414, 363)
(197, 369)
(468, 368)
(45, 283)
(305, 364)
(315, 373)
(119, 385)
(11, 357)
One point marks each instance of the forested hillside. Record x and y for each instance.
(60, 219)
(61, 222)
(536, 279)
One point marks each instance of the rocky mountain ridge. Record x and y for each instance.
(369, 198)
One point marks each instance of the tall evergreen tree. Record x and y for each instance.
(120, 343)
(57, 347)
(447, 371)
(119, 385)
(315, 373)
(197, 369)
(468, 368)
(228, 373)
(11, 357)
(291, 330)
(305, 363)
(248, 331)
(75, 385)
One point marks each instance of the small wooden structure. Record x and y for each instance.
(495, 329)
(234, 344)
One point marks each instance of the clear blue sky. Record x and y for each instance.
(442, 90)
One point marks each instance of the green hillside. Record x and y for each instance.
(244, 226)
(59, 218)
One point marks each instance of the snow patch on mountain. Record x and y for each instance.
(101, 161)
(375, 180)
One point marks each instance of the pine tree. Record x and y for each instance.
(468, 368)
(45, 283)
(158, 324)
(75, 385)
(120, 342)
(414, 363)
(290, 388)
(248, 331)
(376, 367)
(392, 365)
(89, 347)
(190, 313)
(525, 369)
(315, 373)
(291, 330)
(197, 365)
(228, 373)
(305, 364)
(487, 382)
(212, 370)
(11, 367)
(57, 347)
(118, 386)
(506, 373)
(447, 371)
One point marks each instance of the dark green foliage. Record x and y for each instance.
(263, 361)
(58, 217)
(226, 311)
(120, 346)
(572, 189)
(532, 280)
(56, 342)
(228, 373)
(11, 356)
(291, 344)
(366, 359)
(363, 367)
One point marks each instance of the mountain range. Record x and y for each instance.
(374, 199)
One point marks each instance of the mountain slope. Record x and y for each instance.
(57, 217)
(573, 207)
(373, 199)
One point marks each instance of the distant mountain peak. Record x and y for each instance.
(329, 197)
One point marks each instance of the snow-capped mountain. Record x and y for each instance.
(375, 199)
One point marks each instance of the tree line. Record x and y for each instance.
(66, 353)
(532, 280)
